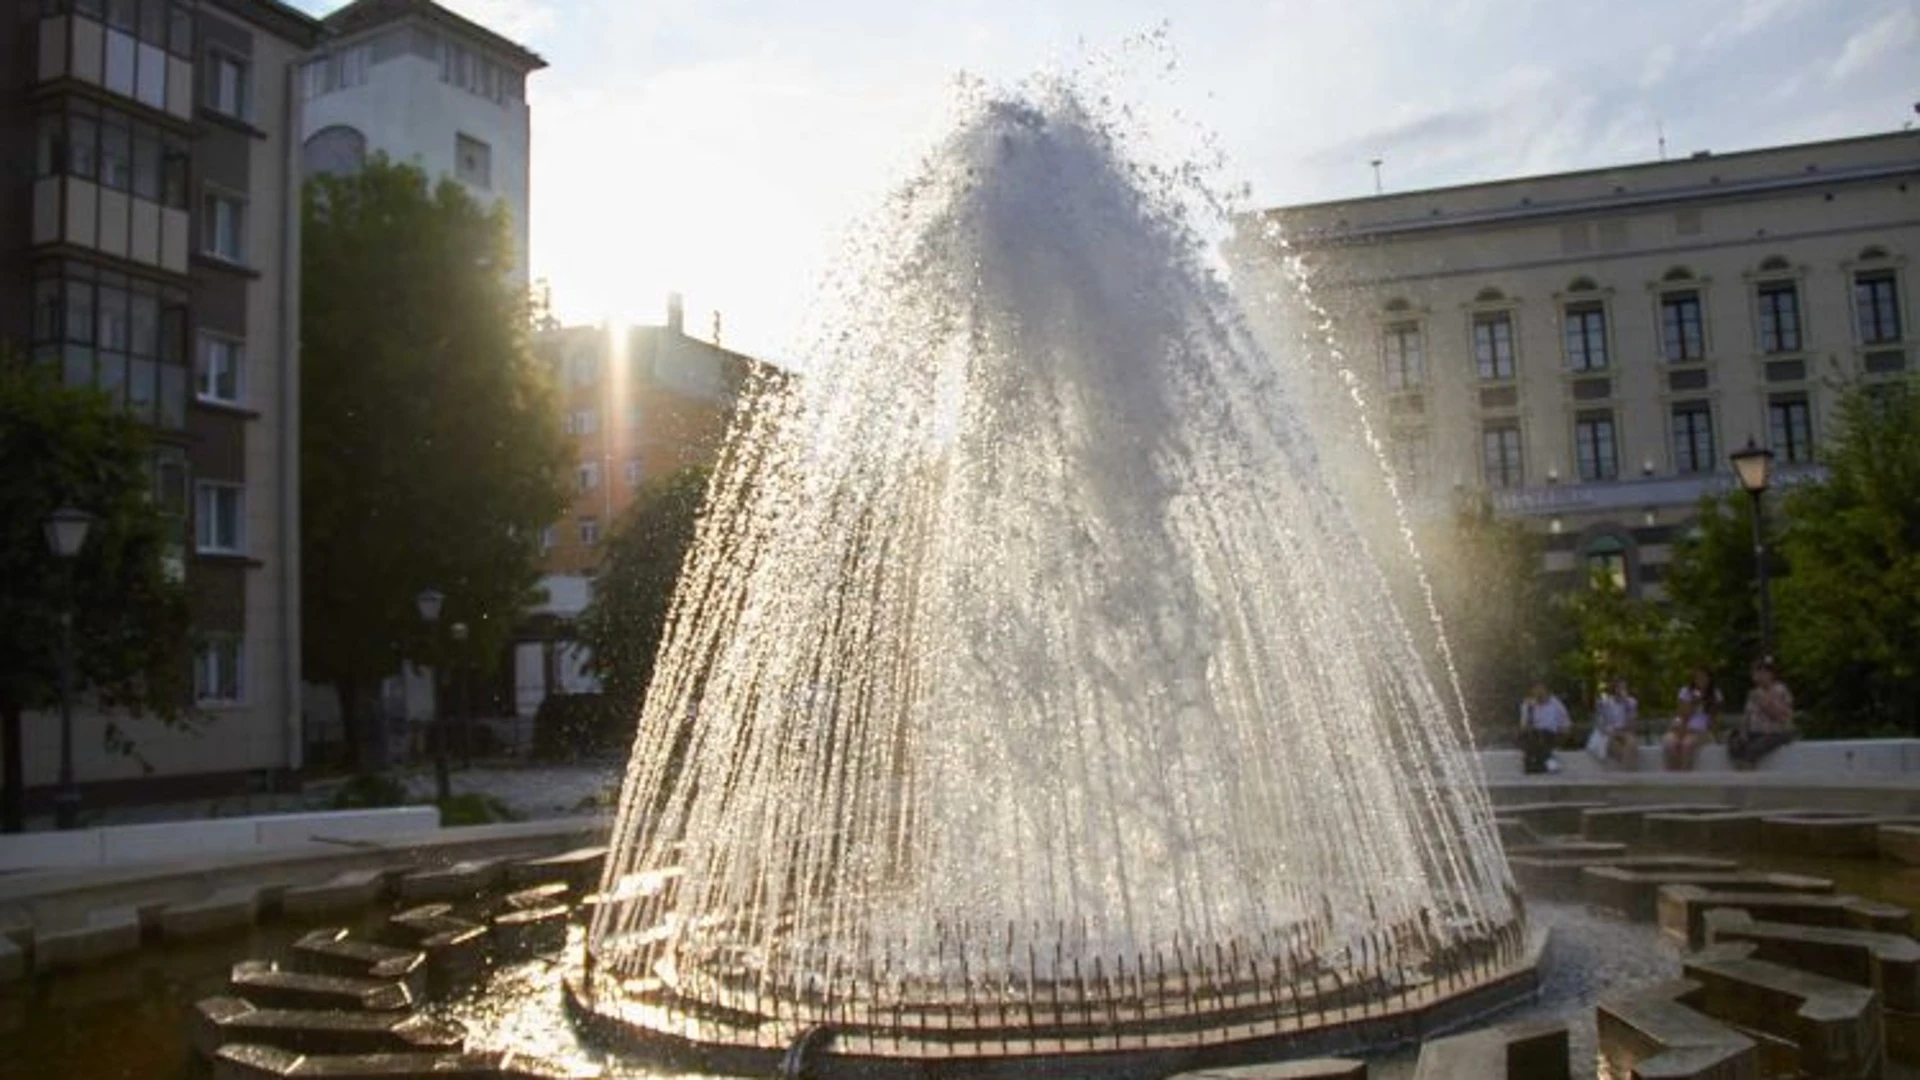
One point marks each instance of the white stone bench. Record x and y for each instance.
(173, 841)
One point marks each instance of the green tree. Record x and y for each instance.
(627, 618)
(70, 447)
(1616, 635)
(1711, 589)
(430, 437)
(1497, 612)
(1849, 616)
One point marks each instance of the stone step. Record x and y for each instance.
(1856, 836)
(456, 948)
(1901, 843)
(1683, 911)
(107, 933)
(13, 961)
(1634, 892)
(527, 932)
(1626, 823)
(254, 1062)
(1657, 1032)
(1562, 877)
(1512, 1052)
(579, 868)
(220, 1021)
(269, 986)
(346, 891)
(334, 951)
(235, 907)
(460, 881)
(1886, 963)
(1833, 1027)
(534, 896)
(1549, 818)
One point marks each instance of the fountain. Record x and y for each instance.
(1030, 696)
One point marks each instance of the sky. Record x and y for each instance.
(725, 149)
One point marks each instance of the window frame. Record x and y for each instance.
(1768, 317)
(204, 523)
(1590, 464)
(1675, 331)
(1889, 276)
(210, 197)
(207, 654)
(589, 530)
(1693, 462)
(1589, 315)
(237, 352)
(1516, 456)
(1487, 364)
(1404, 369)
(1791, 451)
(213, 57)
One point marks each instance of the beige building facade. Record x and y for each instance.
(1586, 349)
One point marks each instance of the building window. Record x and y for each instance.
(634, 472)
(1500, 455)
(219, 523)
(589, 530)
(118, 334)
(1493, 344)
(223, 227)
(1693, 437)
(582, 422)
(1586, 333)
(1606, 558)
(1405, 366)
(1594, 451)
(1790, 428)
(218, 369)
(1779, 317)
(1409, 461)
(217, 664)
(549, 537)
(473, 162)
(1876, 306)
(587, 476)
(1683, 336)
(229, 85)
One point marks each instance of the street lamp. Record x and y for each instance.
(1754, 467)
(66, 530)
(429, 602)
(459, 630)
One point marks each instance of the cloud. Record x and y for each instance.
(1887, 34)
(1753, 16)
(1658, 65)
(1420, 136)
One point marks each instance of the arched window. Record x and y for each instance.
(1398, 304)
(1677, 273)
(335, 149)
(1489, 295)
(1606, 560)
(1581, 284)
(1774, 264)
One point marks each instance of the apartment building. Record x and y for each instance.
(640, 403)
(1588, 348)
(149, 247)
(423, 85)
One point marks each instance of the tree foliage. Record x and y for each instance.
(70, 447)
(1713, 592)
(627, 618)
(1616, 636)
(1849, 615)
(1496, 610)
(430, 437)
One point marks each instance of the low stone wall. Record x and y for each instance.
(1864, 758)
(128, 845)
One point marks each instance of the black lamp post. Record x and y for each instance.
(459, 630)
(66, 530)
(1754, 466)
(429, 602)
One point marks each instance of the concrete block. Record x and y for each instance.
(1514, 1052)
(1705, 832)
(461, 881)
(342, 892)
(385, 823)
(1802, 834)
(1683, 910)
(50, 850)
(1632, 891)
(124, 845)
(266, 985)
(1900, 843)
(108, 933)
(1834, 1026)
(1656, 1033)
(13, 961)
(579, 868)
(1903, 1036)
(231, 908)
(252, 1062)
(526, 932)
(455, 948)
(1316, 1069)
(1626, 823)
(1886, 963)
(1562, 877)
(333, 951)
(219, 1021)
(1551, 818)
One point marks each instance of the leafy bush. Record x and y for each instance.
(473, 808)
(570, 727)
(369, 791)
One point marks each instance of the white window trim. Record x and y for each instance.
(208, 192)
(201, 696)
(215, 54)
(238, 352)
(239, 545)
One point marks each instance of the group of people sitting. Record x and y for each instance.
(1764, 726)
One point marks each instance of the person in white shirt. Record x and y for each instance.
(1615, 716)
(1543, 720)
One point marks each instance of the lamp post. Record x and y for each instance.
(429, 602)
(66, 530)
(1754, 466)
(466, 708)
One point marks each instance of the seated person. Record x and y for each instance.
(1767, 723)
(1693, 722)
(1615, 716)
(1543, 720)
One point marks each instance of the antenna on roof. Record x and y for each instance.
(1660, 128)
(1376, 176)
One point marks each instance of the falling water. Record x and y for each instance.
(1025, 645)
